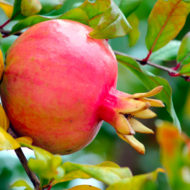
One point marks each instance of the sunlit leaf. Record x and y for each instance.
(1, 64)
(21, 183)
(165, 21)
(30, 7)
(7, 142)
(106, 174)
(7, 8)
(183, 55)
(150, 81)
(104, 16)
(24, 140)
(167, 53)
(134, 34)
(29, 21)
(4, 121)
(84, 187)
(129, 6)
(45, 164)
(136, 182)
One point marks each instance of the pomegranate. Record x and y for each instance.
(59, 85)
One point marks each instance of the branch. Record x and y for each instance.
(24, 163)
(7, 33)
(171, 71)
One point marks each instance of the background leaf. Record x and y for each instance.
(84, 187)
(129, 6)
(150, 81)
(165, 21)
(21, 183)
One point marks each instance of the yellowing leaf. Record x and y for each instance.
(4, 121)
(30, 7)
(24, 140)
(165, 22)
(7, 142)
(134, 34)
(84, 187)
(21, 183)
(136, 182)
(1, 64)
(7, 8)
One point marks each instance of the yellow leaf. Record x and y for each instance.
(25, 140)
(1, 64)
(4, 121)
(7, 142)
(84, 187)
(7, 8)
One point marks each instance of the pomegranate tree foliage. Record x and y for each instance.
(112, 19)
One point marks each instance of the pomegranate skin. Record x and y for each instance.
(55, 81)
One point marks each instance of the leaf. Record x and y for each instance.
(175, 152)
(4, 121)
(150, 81)
(16, 9)
(185, 70)
(45, 164)
(129, 6)
(49, 5)
(7, 8)
(30, 7)
(21, 183)
(136, 182)
(167, 53)
(104, 16)
(7, 142)
(76, 14)
(165, 21)
(134, 34)
(1, 64)
(183, 55)
(103, 173)
(84, 187)
(29, 21)
(24, 140)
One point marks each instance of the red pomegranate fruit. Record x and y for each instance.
(59, 85)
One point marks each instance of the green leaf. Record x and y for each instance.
(17, 8)
(134, 34)
(185, 70)
(30, 7)
(136, 182)
(167, 53)
(29, 21)
(105, 172)
(49, 5)
(76, 14)
(7, 142)
(21, 183)
(129, 6)
(7, 8)
(45, 164)
(150, 81)
(183, 55)
(104, 16)
(165, 21)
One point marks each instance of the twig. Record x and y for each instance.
(5, 23)
(24, 163)
(7, 33)
(171, 71)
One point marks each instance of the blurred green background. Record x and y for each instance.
(107, 146)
